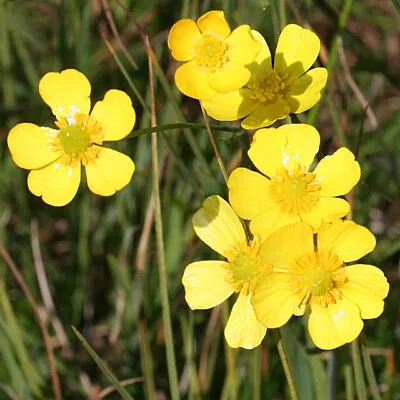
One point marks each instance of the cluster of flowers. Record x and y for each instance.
(295, 252)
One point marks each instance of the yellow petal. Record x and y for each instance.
(273, 300)
(243, 46)
(348, 240)
(263, 61)
(230, 106)
(335, 325)
(243, 329)
(288, 146)
(66, 92)
(305, 91)
(191, 80)
(217, 225)
(109, 172)
(249, 193)
(265, 114)
(29, 145)
(57, 183)
(338, 173)
(327, 209)
(273, 219)
(296, 51)
(366, 286)
(206, 284)
(231, 77)
(181, 39)
(214, 21)
(287, 244)
(115, 115)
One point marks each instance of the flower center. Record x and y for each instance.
(317, 277)
(211, 51)
(269, 86)
(295, 191)
(246, 266)
(77, 138)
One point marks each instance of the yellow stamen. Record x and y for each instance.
(268, 86)
(211, 51)
(296, 191)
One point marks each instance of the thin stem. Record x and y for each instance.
(358, 372)
(286, 365)
(217, 155)
(166, 314)
(369, 370)
(256, 376)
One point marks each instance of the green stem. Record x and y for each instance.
(333, 54)
(179, 125)
(256, 367)
(369, 370)
(358, 372)
(286, 365)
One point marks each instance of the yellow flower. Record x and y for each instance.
(340, 296)
(275, 91)
(290, 192)
(214, 56)
(209, 283)
(54, 156)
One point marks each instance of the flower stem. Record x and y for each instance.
(256, 367)
(286, 364)
(358, 371)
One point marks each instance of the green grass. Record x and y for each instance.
(99, 255)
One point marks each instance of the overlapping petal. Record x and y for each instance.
(348, 240)
(214, 21)
(109, 172)
(338, 173)
(57, 183)
(296, 51)
(366, 286)
(206, 284)
(66, 92)
(243, 329)
(289, 145)
(188, 73)
(217, 225)
(29, 145)
(305, 91)
(334, 325)
(182, 38)
(273, 219)
(263, 60)
(231, 77)
(115, 115)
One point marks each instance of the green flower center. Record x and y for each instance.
(319, 281)
(244, 266)
(210, 51)
(74, 140)
(268, 86)
(296, 191)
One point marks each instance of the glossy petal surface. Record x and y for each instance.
(263, 61)
(348, 240)
(109, 172)
(243, 329)
(243, 46)
(338, 173)
(231, 77)
(214, 21)
(305, 91)
(206, 284)
(288, 146)
(66, 92)
(296, 51)
(181, 39)
(367, 286)
(29, 145)
(335, 325)
(229, 106)
(217, 225)
(56, 183)
(273, 300)
(192, 81)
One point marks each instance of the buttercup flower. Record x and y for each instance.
(54, 156)
(214, 56)
(209, 283)
(290, 192)
(274, 91)
(340, 296)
